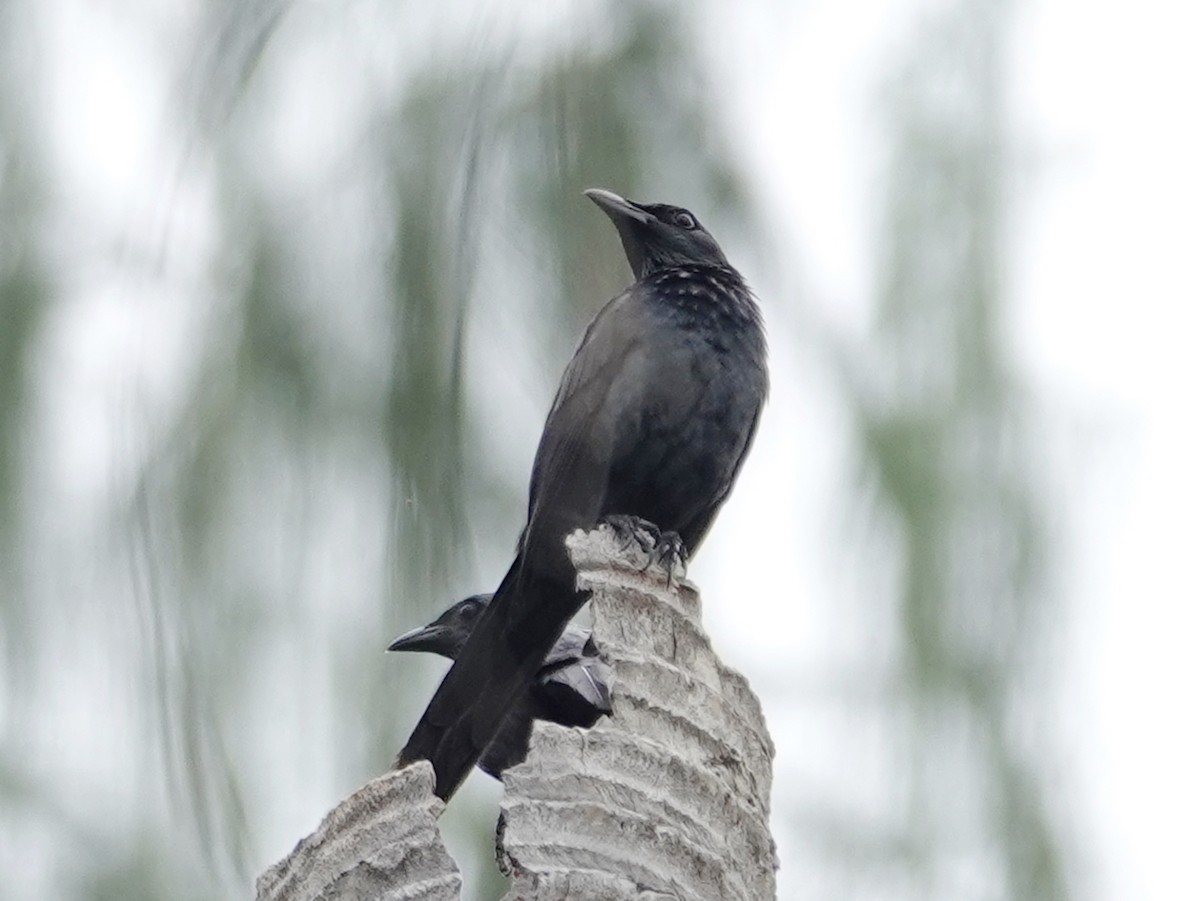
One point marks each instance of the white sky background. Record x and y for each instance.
(1105, 290)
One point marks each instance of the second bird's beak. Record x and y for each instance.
(617, 207)
(424, 638)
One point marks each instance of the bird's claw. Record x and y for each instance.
(669, 553)
(661, 548)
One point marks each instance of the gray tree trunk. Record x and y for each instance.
(668, 798)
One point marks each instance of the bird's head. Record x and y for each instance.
(447, 634)
(657, 236)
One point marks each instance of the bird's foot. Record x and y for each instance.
(670, 554)
(661, 548)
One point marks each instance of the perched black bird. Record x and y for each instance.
(573, 687)
(652, 420)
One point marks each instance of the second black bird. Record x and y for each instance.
(653, 419)
(572, 688)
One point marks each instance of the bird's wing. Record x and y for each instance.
(568, 648)
(538, 595)
(584, 426)
(577, 693)
(586, 430)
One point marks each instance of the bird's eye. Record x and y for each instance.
(685, 220)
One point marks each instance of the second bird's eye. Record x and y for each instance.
(685, 220)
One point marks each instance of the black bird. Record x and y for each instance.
(652, 420)
(573, 687)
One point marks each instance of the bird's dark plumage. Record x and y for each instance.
(572, 688)
(652, 419)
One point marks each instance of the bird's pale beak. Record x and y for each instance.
(424, 638)
(616, 206)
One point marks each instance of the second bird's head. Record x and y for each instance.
(657, 236)
(447, 634)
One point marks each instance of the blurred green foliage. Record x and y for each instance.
(948, 444)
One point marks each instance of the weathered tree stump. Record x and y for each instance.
(668, 798)
(381, 842)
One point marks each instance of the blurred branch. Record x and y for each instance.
(670, 797)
